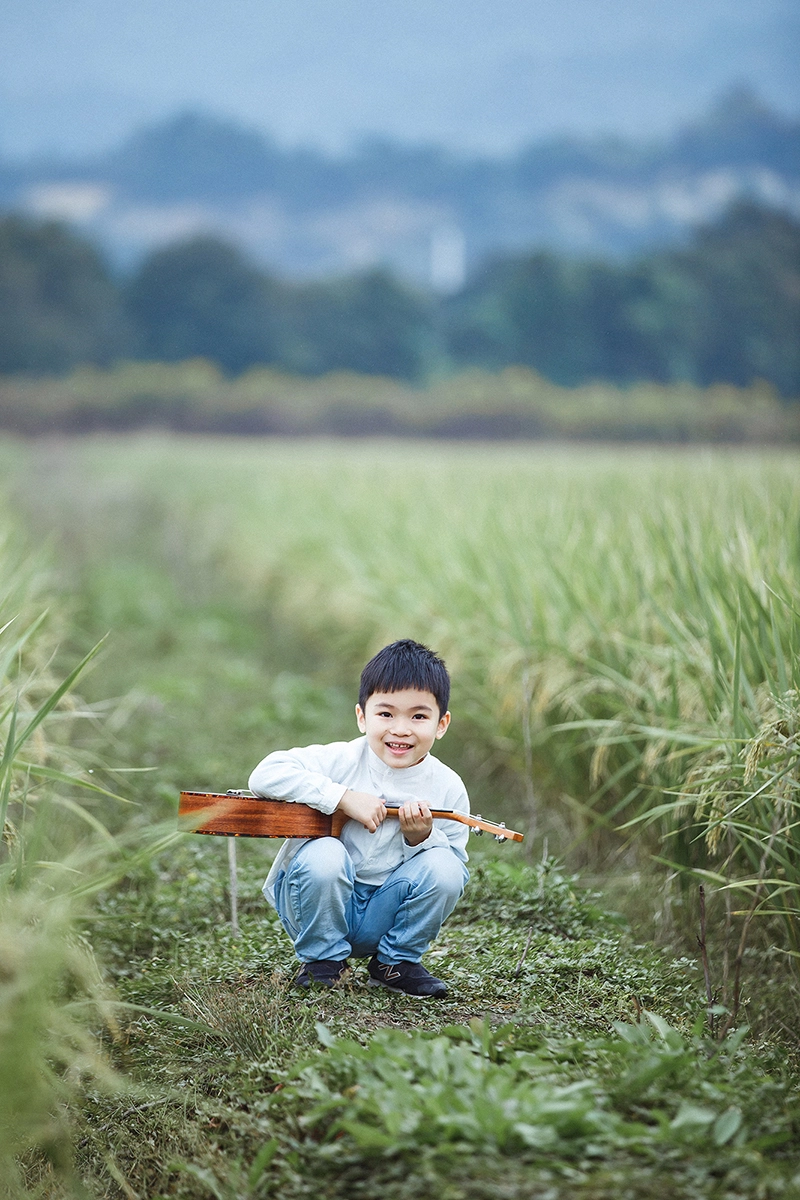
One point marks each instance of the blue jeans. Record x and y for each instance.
(329, 915)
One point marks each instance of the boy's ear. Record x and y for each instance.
(362, 720)
(444, 721)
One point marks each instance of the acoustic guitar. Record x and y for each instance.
(241, 814)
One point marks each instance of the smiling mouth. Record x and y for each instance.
(400, 745)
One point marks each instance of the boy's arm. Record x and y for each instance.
(369, 810)
(307, 776)
(297, 775)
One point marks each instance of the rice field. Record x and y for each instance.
(622, 629)
(617, 624)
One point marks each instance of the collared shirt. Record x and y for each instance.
(320, 775)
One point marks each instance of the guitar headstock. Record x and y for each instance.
(497, 829)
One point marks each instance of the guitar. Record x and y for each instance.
(241, 814)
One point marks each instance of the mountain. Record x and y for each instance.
(429, 215)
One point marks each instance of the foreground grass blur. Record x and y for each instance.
(51, 991)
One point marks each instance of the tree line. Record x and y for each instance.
(723, 309)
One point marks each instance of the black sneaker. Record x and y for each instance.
(408, 977)
(326, 972)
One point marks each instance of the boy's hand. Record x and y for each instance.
(416, 821)
(364, 807)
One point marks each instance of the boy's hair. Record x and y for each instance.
(406, 664)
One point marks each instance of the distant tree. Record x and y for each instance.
(566, 319)
(728, 308)
(369, 323)
(724, 310)
(201, 298)
(58, 303)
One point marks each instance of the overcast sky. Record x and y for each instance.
(472, 74)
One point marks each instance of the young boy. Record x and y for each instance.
(385, 886)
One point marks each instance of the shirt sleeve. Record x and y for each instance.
(304, 775)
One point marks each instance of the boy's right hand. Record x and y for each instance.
(364, 807)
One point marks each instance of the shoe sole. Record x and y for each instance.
(377, 983)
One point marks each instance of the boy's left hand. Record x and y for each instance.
(416, 821)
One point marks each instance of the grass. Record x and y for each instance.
(541, 1070)
(51, 990)
(623, 639)
(617, 629)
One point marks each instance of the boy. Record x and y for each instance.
(385, 887)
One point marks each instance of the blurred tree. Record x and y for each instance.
(566, 319)
(726, 309)
(58, 303)
(369, 323)
(202, 299)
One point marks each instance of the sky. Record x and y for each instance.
(77, 76)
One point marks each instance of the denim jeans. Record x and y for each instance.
(329, 915)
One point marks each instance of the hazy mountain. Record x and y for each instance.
(428, 214)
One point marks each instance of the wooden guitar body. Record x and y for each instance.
(239, 814)
(249, 816)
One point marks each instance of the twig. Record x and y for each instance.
(234, 886)
(701, 941)
(518, 971)
(726, 954)
(732, 1016)
(527, 749)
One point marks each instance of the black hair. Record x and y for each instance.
(406, 664)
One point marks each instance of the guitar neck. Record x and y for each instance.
(476, 823)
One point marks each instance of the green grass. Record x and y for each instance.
(621, 630)
(623, 639)
(541, 1069)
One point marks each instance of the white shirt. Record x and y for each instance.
(320, 776)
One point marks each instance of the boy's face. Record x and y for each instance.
(402, 726)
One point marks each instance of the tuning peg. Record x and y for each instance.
(499, 837)
(476, 829)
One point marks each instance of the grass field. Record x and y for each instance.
(622, 630)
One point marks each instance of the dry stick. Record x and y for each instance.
(730, 1020)
(726, 953)
(521, 962)
(701, 941)
(234, 886)
(527, 747)
(518, 971)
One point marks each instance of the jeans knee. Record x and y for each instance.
(447, 872)
(324, 860)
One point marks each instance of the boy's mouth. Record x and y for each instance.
(399, 747)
